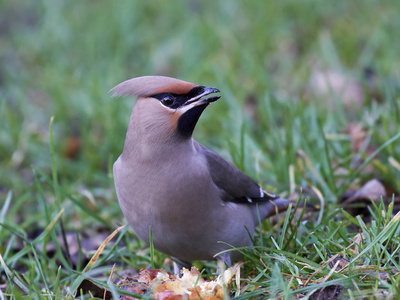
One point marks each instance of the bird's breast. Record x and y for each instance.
(164, 191)
(179, 201)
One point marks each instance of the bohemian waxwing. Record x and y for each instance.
(192, 198)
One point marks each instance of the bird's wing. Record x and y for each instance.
(234, 184)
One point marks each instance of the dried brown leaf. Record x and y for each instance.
(373, 189)
(190, 286)
(357, 136)
(338, 262)
(331, 292)
(330, 83)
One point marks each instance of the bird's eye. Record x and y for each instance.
(167, 101)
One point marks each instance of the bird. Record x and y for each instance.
(196, 203)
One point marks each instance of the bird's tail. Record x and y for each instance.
(262, 211)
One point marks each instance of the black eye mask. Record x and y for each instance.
(174, 101)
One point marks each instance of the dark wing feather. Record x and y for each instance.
(235, 185)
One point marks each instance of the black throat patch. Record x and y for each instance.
(188, 120)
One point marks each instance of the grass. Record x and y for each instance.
(61, 132)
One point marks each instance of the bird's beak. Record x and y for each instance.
(199, 100)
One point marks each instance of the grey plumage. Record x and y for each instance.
(190, 196)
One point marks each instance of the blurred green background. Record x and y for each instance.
(268, 58)
(310, 98)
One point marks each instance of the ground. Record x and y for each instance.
(310, 109)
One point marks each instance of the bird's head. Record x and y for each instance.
(165, 106)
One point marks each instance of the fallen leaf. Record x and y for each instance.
(373, 189)
(190, 285)
(357, 135)
(357, 240)
(340, 262)
(331, 292)
(333, 83)
(132, 285)
(72, 147)
(356, 202)
(360, 146)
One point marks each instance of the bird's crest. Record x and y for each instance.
(150, 85)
